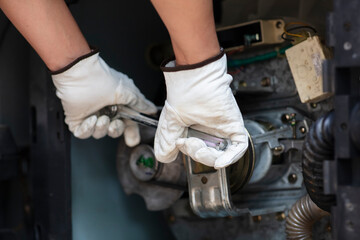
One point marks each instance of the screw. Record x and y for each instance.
(265, 82)
(278, 24)
(242, 84)
(347, 46)
(278, 148)
(204, 180)
(280, 216)
(313, 105)
(256, 218)
(292, 178)
(302, 129)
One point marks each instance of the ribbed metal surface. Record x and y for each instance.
(301, 218)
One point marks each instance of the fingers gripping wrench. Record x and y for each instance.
(116, 111)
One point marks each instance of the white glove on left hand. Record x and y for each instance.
(88, 85)
(199, 96)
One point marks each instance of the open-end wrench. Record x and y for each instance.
(116, 111)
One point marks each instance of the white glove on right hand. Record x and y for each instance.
(199, 96)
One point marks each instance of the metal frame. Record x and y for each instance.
(342, 176)
(50, 172)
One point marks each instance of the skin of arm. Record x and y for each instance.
(49, 28)
(191, 27)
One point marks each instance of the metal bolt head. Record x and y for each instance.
(242, 84)
(347, 46)
(292, 178)
(256, 218)
(313, 105)
(280, 216)
(278, 148)
(204, 180)
(302, 129)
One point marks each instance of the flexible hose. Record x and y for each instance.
(301, 218)
(318, 146)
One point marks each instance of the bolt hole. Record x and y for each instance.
(204, 180)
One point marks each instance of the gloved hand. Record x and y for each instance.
(89, 84)
(199, 96)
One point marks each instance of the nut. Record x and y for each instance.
(204, 180)
(292, 178)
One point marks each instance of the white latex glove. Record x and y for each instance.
(89, 84)
(199, 96)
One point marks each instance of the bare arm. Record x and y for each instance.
(191, 27)
(49, 28)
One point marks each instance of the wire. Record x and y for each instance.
(287, 32)
(295, 28)
(302, 25)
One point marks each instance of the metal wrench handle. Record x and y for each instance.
(116, 111)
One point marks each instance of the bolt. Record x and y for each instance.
(242, 84)
(278, 148)
(204, 180)
(265, 82)
(313, 105)
(256, 218)
(280, 216)
(292, 178)
(302, 129)
(347, 46)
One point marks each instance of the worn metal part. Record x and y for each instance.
(302, 217)
(209, 189)
(263, 152)
(160, 186)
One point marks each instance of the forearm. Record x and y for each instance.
(49, 28)
(191, 27)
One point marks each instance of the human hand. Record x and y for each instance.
(199, 96)
(89, 84)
